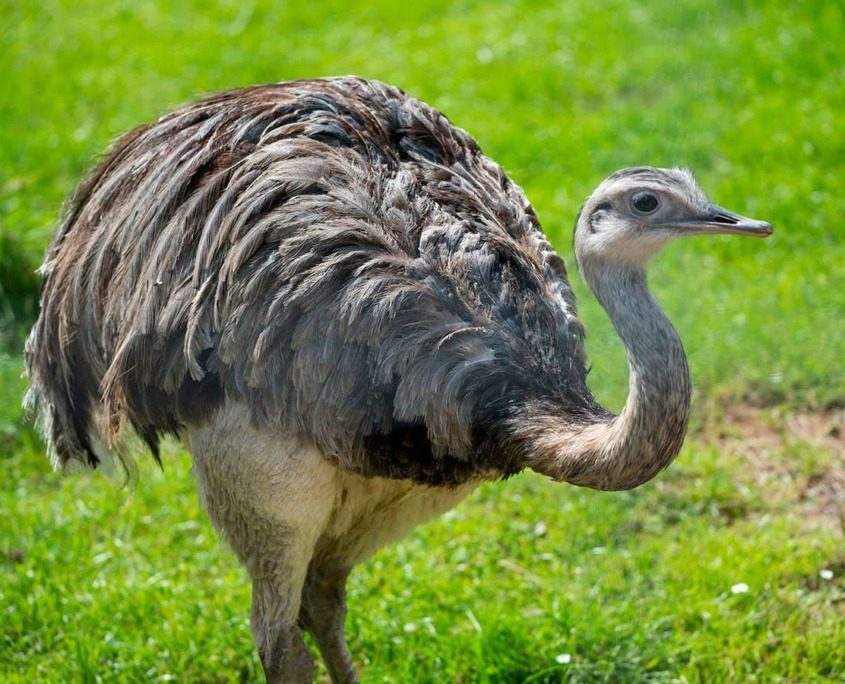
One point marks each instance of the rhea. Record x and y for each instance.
(352, 318)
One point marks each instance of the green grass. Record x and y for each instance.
(99, 583)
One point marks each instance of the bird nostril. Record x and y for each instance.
(724, 218)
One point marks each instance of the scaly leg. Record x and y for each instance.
(323, 612)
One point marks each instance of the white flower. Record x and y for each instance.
(740, 588)
(563, 658)
(826, 574)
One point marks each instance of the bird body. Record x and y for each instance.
(353, 318)
(332, 253)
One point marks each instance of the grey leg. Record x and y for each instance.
(284, 654)
(272, 501)
(278, 574)
(323, 612)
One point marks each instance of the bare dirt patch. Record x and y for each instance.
(792, 456)
(774, 427)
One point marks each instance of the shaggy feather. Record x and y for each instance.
(335, 254)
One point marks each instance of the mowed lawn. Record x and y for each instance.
(729, 567)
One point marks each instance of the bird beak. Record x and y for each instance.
(717, 221)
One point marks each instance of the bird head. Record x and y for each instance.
(634, 212)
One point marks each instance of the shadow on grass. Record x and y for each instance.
(19, 286)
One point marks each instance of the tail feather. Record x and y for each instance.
(56, 401)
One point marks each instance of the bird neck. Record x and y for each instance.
(621, 452)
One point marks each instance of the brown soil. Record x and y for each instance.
(795, 455)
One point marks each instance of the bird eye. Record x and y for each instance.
(645, 202)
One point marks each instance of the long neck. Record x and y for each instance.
(621, 452)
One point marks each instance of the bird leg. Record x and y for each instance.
(288, 660)
(323, 612)
(272, 500)
(276, 556)
(284, 655)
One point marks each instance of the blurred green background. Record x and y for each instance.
(98, 583)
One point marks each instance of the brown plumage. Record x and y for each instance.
(329, 252)
(325, 287)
